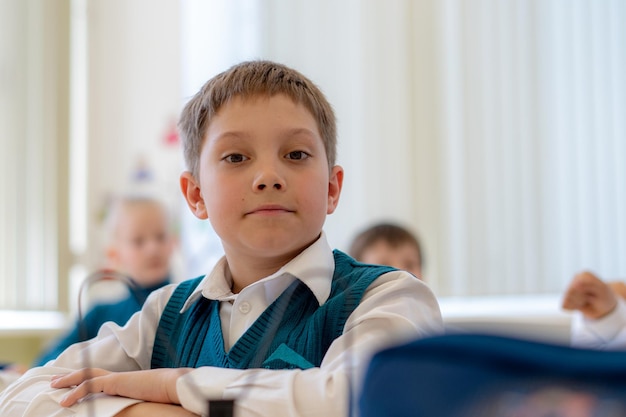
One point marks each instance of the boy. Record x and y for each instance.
(140, 247)
(388, 244)
(282, 324)
(602, 320)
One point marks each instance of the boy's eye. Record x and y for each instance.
(235, 158)
(297, 155)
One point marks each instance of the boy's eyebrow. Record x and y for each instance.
(301, 131)
(229, 135)
(237, 134)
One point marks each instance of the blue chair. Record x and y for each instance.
(474, 375)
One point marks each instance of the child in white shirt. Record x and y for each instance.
(260, 147)
(601, 322)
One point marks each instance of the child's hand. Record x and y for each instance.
(155, 385)
(590, 295)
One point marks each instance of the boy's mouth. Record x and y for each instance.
(270, 209)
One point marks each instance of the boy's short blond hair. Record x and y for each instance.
(247, 80)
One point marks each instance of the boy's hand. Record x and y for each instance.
(155, 385)
(590, 295)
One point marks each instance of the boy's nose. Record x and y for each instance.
(262, 186)
(269, 177)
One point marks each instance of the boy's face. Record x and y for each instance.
(404, 256)
(142, 245)
(264, 181)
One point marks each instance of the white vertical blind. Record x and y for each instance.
(534, 144)
(31, 111)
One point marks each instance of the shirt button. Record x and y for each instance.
(244, 307)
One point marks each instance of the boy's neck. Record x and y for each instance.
(245, 271)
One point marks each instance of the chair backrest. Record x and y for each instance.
(474, 375)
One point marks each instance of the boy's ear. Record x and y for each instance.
(192, 194)
(335, 182)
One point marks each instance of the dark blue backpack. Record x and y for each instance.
(472, 375)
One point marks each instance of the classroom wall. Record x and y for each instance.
(133, 101)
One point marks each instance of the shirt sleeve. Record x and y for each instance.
(396, 308)
(81, 331)
(115, 348)
(608, 333)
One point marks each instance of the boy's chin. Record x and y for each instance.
(284, 250)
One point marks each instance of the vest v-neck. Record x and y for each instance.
(293, 332)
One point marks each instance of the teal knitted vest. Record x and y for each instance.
(293, 332)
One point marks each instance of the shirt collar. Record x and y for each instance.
(314, 266)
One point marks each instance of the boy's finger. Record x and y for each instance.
(89, 386)
(74, 378)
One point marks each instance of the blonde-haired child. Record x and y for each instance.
(139, 246)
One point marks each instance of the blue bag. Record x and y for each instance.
(474, 375)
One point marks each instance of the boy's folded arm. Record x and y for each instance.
(33, 396)
(397, 307)
(264, 392)
(115, 348)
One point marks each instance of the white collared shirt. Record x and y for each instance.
(395, 308)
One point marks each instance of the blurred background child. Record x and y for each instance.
(140, 247)
(388, 244)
